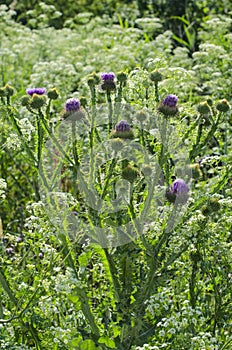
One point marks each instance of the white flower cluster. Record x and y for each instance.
(3, 187)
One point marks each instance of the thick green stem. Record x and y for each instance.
(7, 289)
(110, 113)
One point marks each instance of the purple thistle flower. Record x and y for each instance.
(179, 187)
(122, 126)
(170, 100)
(122, 130)
(178, 192)
(169, 105)
(72, 105)
(38, 91)
(108, 76)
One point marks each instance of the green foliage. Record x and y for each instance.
(166, 283)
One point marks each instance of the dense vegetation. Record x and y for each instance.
(115, 188)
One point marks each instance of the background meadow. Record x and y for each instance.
(166, 288)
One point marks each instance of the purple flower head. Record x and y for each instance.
(108, 76)
(179, 187)
(122, 126)
(170, 101)
(178, 192)
(72, 105)
(38, 91)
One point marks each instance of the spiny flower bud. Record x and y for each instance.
(37, 101)
(83, 101)
(117, 144)
(122, 130)
(141, 116)
(93, 80)
(37, 91)
(130, 173)
(223, 106)
(122, 77)
(108, 85)
(9, 90)
(53, 94)
(178, 192)
(156, 76)
(25, 100)
(204, 108)
(169, 105)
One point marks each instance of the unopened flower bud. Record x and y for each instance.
(25, 100)
(83, 101)
(223, 106)
(204, 108)
(93, 80)
(156, 76)
(37, 101)
(53, 94)
(122, 77)
(117, 144)
(130, 173)
(141, 116)
(9, 90)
